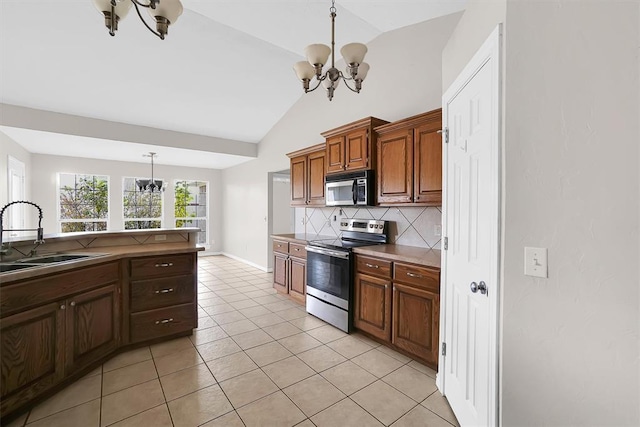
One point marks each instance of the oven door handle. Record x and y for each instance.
(328, 252)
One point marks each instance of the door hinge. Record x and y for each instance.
(444, 348)
(446, 243)
(445, 131)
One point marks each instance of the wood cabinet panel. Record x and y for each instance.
(316, 174)
(373, 266)
(416, 316)
(395, 167)
(299, 181)
(307, 176)
(418, 276)
(335, 154)
(427, 165)
(298, 279)
(373, 306)
(161, 292)
(160, 266)
(281, 246)
(297, 250)
(280, 272)
(357, 150)
(92, 326)
(32, 348)
(351, 147)
(151, 324)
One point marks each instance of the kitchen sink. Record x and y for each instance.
(54, 258)
(5, 268)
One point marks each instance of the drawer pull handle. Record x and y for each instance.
(417, 276)
(164, 291)
(371, 265)
(297, 249)
(165, 264)
(158, 322)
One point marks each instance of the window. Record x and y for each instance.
(84, 202)
(191, 208)
(141, 209)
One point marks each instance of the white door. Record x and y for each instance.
(471, 223)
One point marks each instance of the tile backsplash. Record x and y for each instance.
(411, 226)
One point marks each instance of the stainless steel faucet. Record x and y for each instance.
(40, 235)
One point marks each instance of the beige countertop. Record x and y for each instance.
(300, 237)
(412, 254)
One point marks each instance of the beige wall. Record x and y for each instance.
(405, 79)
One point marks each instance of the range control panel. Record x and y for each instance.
(374, 226)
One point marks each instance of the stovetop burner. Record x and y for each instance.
(339, 243)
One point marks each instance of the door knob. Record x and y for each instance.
(474, 287)
(482, 287)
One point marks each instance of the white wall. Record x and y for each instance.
(8, 147)
(44, 192)
(405, 79)
(570, 342)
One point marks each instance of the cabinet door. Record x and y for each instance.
(428, 166)
(298, 279)
(395, 167)
(416, 314)
(373, 306)
(32, 348)
(93, 326)
(335, 154)
(316, 178)
(299, 181)
(281, 273)
(357, 150)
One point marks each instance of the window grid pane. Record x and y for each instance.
(84, 201)
(191, 206)
(141, 210)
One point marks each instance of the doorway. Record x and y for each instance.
(281, 214)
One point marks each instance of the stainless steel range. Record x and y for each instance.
(330, 270)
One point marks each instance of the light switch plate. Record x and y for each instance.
(535, 262)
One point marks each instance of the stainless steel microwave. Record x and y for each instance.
(348, 189)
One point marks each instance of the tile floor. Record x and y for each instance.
(256, 359)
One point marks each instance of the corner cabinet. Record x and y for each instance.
(307, 176)
(352, 147)
(409, 168)
(290, 269)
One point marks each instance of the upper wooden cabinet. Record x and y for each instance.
(307, 176)
(410, 161)
(352, 147)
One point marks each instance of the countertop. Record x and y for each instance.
(300, 237)
(96, 234)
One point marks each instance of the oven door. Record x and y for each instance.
(329, 275)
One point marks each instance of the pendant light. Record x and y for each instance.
(150, 185)
(163, 12)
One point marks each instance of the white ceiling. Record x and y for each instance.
(224, 70)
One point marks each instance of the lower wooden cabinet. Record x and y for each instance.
(281, 273)
(290, 269)
(372, 312)
(298, 279)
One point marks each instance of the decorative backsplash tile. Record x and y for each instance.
(411, 226)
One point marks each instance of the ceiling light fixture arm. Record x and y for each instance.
(151, 5)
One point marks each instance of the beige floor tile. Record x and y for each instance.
(96, 371)
(257, 294)
(423, 368)
(438, 404)
(345, 413)
(231, 366)
(219, 309)
(186, 381)
(18, 422)
(197, 408)
(228, 317)
(293, 313)
(267, 319)
(266, 300)
(376, 362)
(252, 312)
(244, 304)
(208, 335)
(275, 410)
(299, 343)
(248, 387)
(128, 358)
(252, 339)
(85, 415)
(306, 423)
(411, 382)
(313, 394)
(169, 347)
(128, 376)
(208, 303)
(229, 420)
(281, 330)
(307, 323)
(398, 356)
(219, 348)
(235, 298)
(279, 306)
(366, 340)
(240, 327)
(348, 377)
(154, 417)
(420, 417)
(349, 346)
(288, 371)
(268, 353)
(131, 401)
(177, 361)
(327, 333)
(202, 313)
(205, 323)
(79, 392)
(226, 292)
(321, 358)
(383, 402)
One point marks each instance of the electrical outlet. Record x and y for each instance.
(535, 262)
(437, 230)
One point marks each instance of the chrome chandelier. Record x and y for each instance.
(150, 185)
(165, 13)
(317, 55)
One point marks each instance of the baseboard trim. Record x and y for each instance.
(252, 264)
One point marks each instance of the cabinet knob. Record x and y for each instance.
(417, 197)
(63, 307)
(72, 303)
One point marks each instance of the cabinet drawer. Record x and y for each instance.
(281, 246)
(162, 292)
(152, 324)
(418, 276)
(373, 266)
(297, 250)
(164, 265)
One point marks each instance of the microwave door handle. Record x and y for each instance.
(354, 191)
